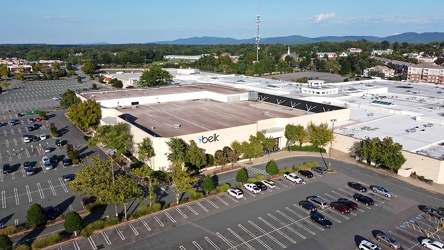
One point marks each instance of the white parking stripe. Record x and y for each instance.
(201, 206)
(240, 238)
(93, 244)
(255, 237)
(62, 183)
(13, 175)
(285, 225)
(22, 169)
(105, 236)
(3, 199)
(181, 213)
(119, 232)
(42, 195)
(293, 212)
(76, 245)
(29, 193)
(158, 221)
(52, 187)
(145, 224)
(133, 229)
(232, 198)
(182, 248)
(191, 209)
(267, 234)
(220, 199)
(295, 222)
(17, 201)
(212, 243)
(212, 203)
(170, 217)
(225, 240)
(197, 245)
(71, 208)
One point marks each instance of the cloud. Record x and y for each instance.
(47, 17)
(322, 17)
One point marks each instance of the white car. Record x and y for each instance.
(367, 245)
(269, 183)
(293, 178)
(45, 160)
(432, 244)
(26, 139)
(236, 193)
(42, 137)
(252, 188)
(56, 98)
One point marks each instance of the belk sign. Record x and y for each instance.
(208, 139)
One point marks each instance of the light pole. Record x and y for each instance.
(331, 142)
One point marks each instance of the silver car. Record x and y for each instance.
(388, 240)
(381, 190)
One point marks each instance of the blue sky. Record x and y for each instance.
(141, 21)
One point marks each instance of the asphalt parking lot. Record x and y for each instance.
(273, 219)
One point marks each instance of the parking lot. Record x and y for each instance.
(271, 219)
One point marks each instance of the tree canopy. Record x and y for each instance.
(89, 67)
(36, 215)
(116, 137)
(5, 242)
(85, 114)
(73, 222)
(155, 77)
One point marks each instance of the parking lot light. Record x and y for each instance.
(331, 142)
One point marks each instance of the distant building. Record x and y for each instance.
(425, 73)
(345, 54)
(388, 72)
(378, 52)
(184, 57)
(293, 56)
(355, 50)
(330, 55)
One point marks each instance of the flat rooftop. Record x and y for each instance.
(127, 93)
(202, 115)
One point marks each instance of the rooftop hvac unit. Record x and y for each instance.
(266, 113)
(177, 126)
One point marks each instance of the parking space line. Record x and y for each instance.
(201, 206)
(254, 237)
(22, 169)
(293, 212)
(27, 152)
(182, 248)
(402, 237)
(145, 224)
(158, 221)
(251, 194)
(295, 222)
(76, 245)
(232, 198)
(170, 217)
(29, 193)
(3, 199)
(42, 195)
(119, 232)
(197, 245)
(181, 213)
(226, 241)
(62, 183)
(15, 141)
(240, 238)
(52, 187)
(93, 244)
(17, 201)
(283, 224)
(191, 209)
(267, 234)
(71, 208)
(1, 176)
(133, 229)
(282, 182)
(13, 175)
(212, 203)
(212, 243)
(220, 199)
(105, 236)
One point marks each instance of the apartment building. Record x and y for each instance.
(425, 73)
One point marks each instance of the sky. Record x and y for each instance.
(143, 21)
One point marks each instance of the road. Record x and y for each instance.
(273, 220)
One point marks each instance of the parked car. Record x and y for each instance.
(86, 137)
(7, 168)
(48, 149)
(45, 159)
(432, 244)
(54, 159)
(36, 126)
(88, 200)
(306, 173)
(58, 143)
(51, 212)
(357, 186)
(261, 185)
(293, 178)
(236, 193)
(68, 177)
(364, 199)
(319, 170)
(30, 128)
(42, 137)
(318, 201)
(388, 240)
(308, 205)
(433, 212)
(31, 120)
(38, 119)
(27, 138)
(349, 203)
(27, 164)
(319, 218)
(343, 209)
(367, 245)
(35, 138)
(14, 122)
(67, 162)
(381, 190)
(269, 183)
(29, 170)
(252, 188)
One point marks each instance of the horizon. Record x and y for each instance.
(96, 22)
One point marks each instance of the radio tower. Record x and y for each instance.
(258, 37)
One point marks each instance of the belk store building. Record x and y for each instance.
(212, 116)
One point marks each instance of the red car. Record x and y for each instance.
(343, 209)
(38, 119)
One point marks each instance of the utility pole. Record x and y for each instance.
(331, 142)
(258, 37)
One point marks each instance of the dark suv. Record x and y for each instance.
(308, 205)
(364, 199)
(351, 204)
(357, 186)
(319, 218)
(7, 168)
(306, 173)
(67, 162)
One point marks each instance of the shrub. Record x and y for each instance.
(310, 164)
(144, 210)
(252, 179)
(272, 168)
(299, 167)
(242, 175)
(309, 148)
(111, 221)
(93, 206)
(5, 242)
(47, 241)
(11, 230)
(208, 184)
(222, 188)
(73, 222)
(194, 195)
(35, 215)
(288, 169)
(94, 226)
(261, 177)
(22, 247)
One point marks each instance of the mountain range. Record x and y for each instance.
(410, 37)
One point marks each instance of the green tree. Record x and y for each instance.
(5, 242)
(116, 83)
(85, 114)
(178, 148)
(155, 77)
(36, 215)
(73, 222)
(147, 174)
(72, 153)
(95, 178)
(319, 135)
(208, 184)
(3, 71)
(145, 149)
(116, 137)
(42, 115)
(237, 147)
(68, 99)
(89, 68)
(220, 158)
(5, 84)
(272, 168)
(195, 157)
(181, 180)
(232, 157)
(290, 134)
(125, 189)
(242, 175)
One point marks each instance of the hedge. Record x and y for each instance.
(252, 179)
(288, 169)
(222, 188)
(94, 226)
(11, 230)
(144, 210)
(307, 149)
(22, 247)
(194, 195)
(47, 241)
(261, 177)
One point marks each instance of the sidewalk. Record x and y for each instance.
(340, 156)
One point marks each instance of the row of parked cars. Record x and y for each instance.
(255, 188)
